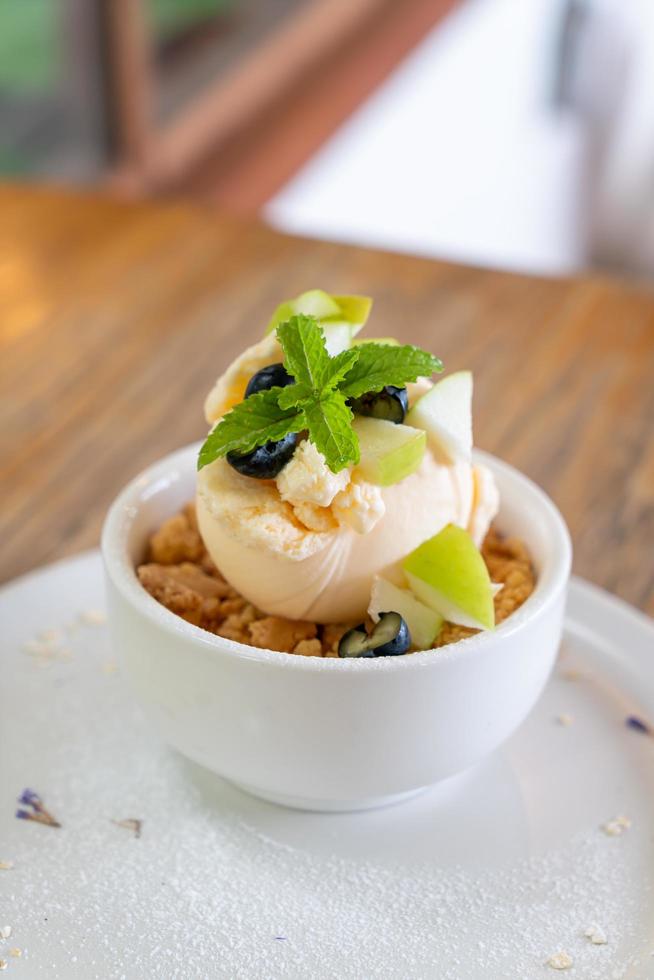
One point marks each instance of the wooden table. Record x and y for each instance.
(116, 318)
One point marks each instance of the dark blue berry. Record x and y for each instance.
(389, 638)
(390, 403)
(272, 376)
(264, 462)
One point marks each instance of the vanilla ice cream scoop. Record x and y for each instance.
(286, 569)
(308, 545)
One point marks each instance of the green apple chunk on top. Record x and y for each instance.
(424, 623)
(445, 413)
(389, 452)
(448, 573)
(341, 317)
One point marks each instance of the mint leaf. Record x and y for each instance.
(329, 422)
(379, 365)
(251, 423)
(317, 401)
(294, 396)
(339, 366)
(305, 354)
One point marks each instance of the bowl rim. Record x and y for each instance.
(172, 467)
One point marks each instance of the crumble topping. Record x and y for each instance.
(179, 574)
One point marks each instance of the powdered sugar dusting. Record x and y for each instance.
(218, 886)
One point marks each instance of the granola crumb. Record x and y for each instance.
(15, 951)
(5, 932)
(564, 719)
(560, 961)
(595, 935)
(275, 633)
(177, 540)
(617, 826)
(3, 964)
(6, 865)
(180, 575)
(309, 648)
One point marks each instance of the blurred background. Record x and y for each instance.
(509, 133)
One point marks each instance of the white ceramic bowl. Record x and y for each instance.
(330, 734)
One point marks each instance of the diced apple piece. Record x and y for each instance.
(338, 336)
(448, 574)
(389, 452)
(445, 413)
(424, 623)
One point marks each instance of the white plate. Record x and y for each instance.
(484, 877)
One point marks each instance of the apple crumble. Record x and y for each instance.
(180, 575)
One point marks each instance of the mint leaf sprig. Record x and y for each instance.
(317, 401)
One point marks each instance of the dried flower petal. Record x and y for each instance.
(38, 817)
(130, 823)
(30, 798)
(638, 725)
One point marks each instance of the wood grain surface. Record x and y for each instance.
(116, 318)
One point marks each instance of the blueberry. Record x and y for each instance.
(390, 403)
(272, 376)
(264, 462)
(389, 638)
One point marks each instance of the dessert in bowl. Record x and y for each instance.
(325, 635)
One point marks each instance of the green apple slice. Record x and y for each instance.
(318, 303)
(350, 310)
(389, 452)
(424, 623)
(445, 413)
(354, 309)
(448, 574)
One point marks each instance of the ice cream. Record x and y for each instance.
(308, 544)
